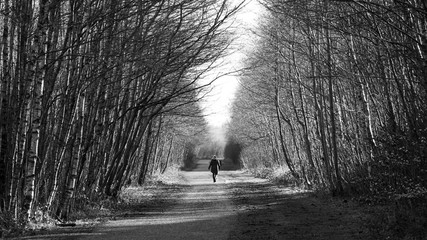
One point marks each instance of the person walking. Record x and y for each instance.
(214, 166)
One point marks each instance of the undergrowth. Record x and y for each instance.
(278, 175)
(9, 226)
(170, 176)
(104, 207)
(397, 186)
(88, 212)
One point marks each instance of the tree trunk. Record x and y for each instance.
(288, 160)
(339, 187)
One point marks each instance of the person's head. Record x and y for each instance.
(214, 157)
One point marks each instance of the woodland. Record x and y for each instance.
(335, 93)
(97, 95)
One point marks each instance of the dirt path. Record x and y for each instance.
(204, 211)
(237, 206)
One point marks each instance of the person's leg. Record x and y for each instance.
(213, 177)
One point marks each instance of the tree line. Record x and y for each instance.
(99, 94)
(336, 92)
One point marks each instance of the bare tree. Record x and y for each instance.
(343, 78)
(87, 90)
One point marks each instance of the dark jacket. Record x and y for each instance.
(214, 166)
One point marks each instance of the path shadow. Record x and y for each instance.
(268, 212)
(176, 228)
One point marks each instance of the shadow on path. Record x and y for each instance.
(269, 212)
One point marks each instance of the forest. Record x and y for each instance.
(97, 95)
(335, 93)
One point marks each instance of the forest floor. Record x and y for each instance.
(237, 206)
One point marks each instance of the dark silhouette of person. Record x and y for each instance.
(214, 166)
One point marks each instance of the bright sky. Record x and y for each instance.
(218, 104)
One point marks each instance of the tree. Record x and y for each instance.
(339, 77)
(91, 90)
